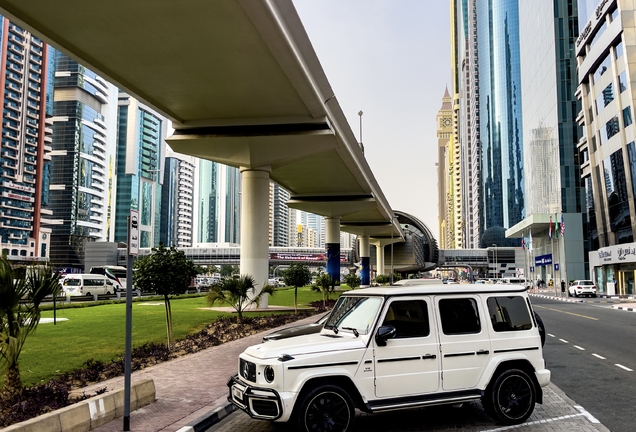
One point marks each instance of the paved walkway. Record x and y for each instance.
(187, 388)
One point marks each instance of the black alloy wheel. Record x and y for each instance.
(513, 397)
(326, 408)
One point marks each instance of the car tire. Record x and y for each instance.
(88, 294)
(512, 397)
(326, 408)
(107, 292)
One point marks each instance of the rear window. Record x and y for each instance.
(459, 316)
(72, 282)
(586, 283)
(509, 313)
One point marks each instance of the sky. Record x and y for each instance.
(391, 60)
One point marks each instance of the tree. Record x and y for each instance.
(382, 279)
(353, 280)
(168, 273)
(323, 283)
(240, 293)
(297, 275)
(20, 299)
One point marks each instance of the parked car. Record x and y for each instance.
(298, 330)
(273, 282)
(470, 344)
(582, 288)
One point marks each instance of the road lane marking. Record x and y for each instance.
(624, 367)
(569, 313)
(550, 334)
(598, 356)
(586, 414)
(578, 347)
(564, 341)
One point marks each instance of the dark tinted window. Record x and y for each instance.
(509, 313)
(409, 317)
(459, 316)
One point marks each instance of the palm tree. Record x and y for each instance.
(239, 293)
(20, 300)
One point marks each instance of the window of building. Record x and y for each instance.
(598, 34)
(602, 67)
(607, 96)
(627, 116)
(622, 82)
(459, 316)
(509, 314)
(619, 50)
(611, 128)
(616, 194)
(614, 14)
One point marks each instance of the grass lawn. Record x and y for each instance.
(99, 332)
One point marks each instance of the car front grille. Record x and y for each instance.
(247, 370)
(266, 408)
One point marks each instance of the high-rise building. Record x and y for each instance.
(141, 151)
(279, 216)
(82, 163)
(551, 168)
(317, 223)
(177, 200)
(26, 144)
(446, 173)
(502, 194)
(607, 149)
(465, 56)
(217, 202)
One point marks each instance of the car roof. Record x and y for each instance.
(438, 288)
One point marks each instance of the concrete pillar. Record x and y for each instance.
(365, 270)
(379, 257)
(332, 245)
(255, 226)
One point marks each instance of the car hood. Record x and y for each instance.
(309, 344)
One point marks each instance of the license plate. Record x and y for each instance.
(237, 393)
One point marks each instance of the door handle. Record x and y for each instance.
(483, 352)
(429, 357)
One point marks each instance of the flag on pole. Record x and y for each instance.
(523, 242)
(557, 226)
(550, 230)
(530, 242)
(562, 226)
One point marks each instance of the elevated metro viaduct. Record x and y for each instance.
(242, 86)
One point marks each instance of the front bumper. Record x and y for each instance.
(258, 403)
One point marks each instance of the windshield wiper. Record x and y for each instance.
(355, 331)
(333, 328)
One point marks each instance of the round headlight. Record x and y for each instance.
(269, 374)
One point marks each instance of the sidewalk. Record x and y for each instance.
(189, 388)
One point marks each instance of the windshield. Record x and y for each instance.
(354, 313)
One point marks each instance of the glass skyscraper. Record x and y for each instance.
(177, 200)
(502, 198)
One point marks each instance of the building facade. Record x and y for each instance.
(606, 54)
(446, 173)
(554, 193)
(141, 148)
(217, 199)
(279, 216)
(26, 144)
(177, 200)
(82, 163)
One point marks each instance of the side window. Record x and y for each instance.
(509, 314)
(459, 316)
(409, 317)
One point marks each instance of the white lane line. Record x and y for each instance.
(550, 334)
(564, 341)
(565, 417)
(587, 415)
(624, 367)
(578, 347)
(598, 356)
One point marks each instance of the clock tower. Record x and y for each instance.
(445, 173)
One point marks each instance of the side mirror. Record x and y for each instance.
(384, 333)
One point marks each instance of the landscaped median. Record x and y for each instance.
(90, 413)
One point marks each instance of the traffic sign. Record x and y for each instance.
(133, 233)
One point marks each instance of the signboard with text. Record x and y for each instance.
(133, 233)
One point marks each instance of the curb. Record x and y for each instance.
(628, 309)
(557, 298)
(90, 413)
(211, 418)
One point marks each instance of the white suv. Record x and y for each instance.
(400, 347)
(582, 288)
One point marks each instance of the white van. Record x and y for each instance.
(86, 284)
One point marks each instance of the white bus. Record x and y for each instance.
(117, 274)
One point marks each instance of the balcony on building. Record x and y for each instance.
(15, 68)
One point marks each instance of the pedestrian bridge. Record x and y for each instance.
(243, 86)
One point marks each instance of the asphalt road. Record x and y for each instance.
(591, 351)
